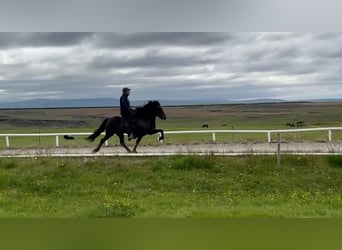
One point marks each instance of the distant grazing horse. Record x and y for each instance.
(291, 125)
(300, 124)
(205, 126)
(145, 124)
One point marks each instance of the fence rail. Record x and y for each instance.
(213, 132)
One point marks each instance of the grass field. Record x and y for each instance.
(171, 187)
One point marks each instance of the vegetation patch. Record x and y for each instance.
(114, 208)
(8, 164)
(192, 162)
(335, 160)
(171, 187)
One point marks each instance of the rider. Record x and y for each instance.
(127, 113)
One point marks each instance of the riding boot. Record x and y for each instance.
(130, 135)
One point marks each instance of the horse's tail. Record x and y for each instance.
(98, 131)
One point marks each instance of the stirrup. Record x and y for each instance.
(131, 137)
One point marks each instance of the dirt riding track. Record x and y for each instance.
(200, 149)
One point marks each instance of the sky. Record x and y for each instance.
(170, 65)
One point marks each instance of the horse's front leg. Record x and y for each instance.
(161, 137)
(136, 144)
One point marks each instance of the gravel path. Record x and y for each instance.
(217, 149)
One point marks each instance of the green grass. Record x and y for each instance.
(171, 187)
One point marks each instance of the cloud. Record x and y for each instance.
(146, 39)
(170, 65)
(56, 39)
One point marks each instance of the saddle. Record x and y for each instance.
(126, 124)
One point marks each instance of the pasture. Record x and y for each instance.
(238, 116)
(173, 186)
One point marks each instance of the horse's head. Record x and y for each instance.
(157, 109)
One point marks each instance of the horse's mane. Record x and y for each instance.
(146, 109)
(148, 106)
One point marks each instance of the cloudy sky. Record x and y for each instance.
(230, 66)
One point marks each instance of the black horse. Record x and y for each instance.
(145, 123)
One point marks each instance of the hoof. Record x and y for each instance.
(89, 138)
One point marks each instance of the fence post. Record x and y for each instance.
(269, 136)
(214, 136)
(329, 135)
(278, 151)
(57, 141)
(7, 141)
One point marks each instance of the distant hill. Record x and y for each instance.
(262, 100)
(325, 100)
(61, 103)
(97, 102)
(113, 102)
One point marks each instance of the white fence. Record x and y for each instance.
(213, 132)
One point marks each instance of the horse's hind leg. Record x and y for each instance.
(122, 142)
(103, 140)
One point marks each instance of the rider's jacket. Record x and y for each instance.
(125, 107)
